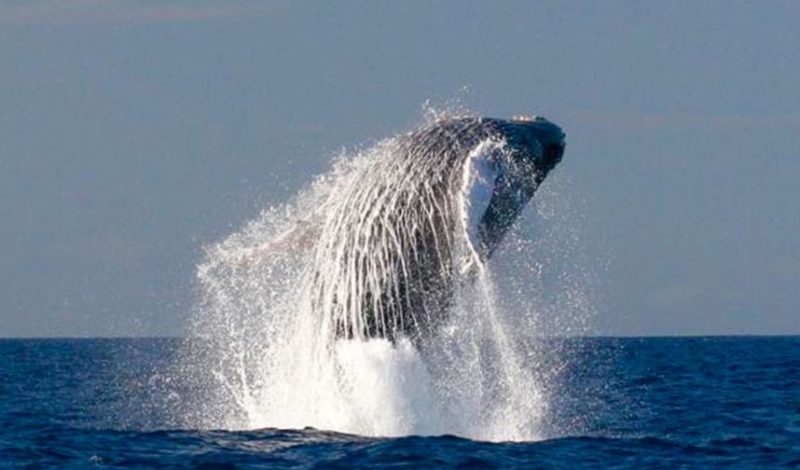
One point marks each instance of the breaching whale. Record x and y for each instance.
(419, 217)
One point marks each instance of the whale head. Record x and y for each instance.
(498, 184)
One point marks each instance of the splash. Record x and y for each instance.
(295, 327)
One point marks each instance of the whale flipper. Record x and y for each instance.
(480, 176)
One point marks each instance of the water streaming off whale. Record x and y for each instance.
(368, 305)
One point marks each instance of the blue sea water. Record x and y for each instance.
(705, 402)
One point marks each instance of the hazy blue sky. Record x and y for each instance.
(133, 132)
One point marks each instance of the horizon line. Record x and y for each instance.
(659, 336)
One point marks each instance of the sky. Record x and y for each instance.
(133, 133)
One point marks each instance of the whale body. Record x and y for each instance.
(434, 203)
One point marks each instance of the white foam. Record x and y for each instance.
(390, 390)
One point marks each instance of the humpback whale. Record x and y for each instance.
(365, 303)
(423, 214)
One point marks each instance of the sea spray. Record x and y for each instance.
(283, 338)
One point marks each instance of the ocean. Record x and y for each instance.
(698, 402)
